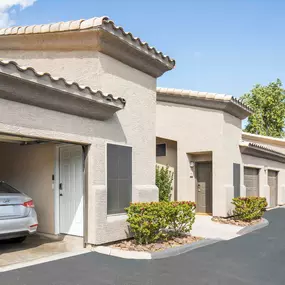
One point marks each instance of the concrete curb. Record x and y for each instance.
(249, 229)
(182, 249)
(154, 255)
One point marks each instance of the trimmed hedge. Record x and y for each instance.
(150, 222)
(249, 208)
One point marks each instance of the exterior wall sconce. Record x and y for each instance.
(265, 168)
(192, 164)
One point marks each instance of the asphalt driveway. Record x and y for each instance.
(257, 258)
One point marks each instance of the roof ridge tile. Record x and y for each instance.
(203, 95)
(83, 88)
(84, 24)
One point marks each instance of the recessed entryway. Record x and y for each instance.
(204, 187)
(273, 185)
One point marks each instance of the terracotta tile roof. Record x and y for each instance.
(93, 23)
(261, 147)
(203, 95)
(56, 80)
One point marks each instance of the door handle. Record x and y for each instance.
(198, 187)
(60, 186)
(60, 194)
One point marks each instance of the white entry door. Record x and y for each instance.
(71, 190)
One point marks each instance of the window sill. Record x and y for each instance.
(116, 217)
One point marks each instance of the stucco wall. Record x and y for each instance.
(134, 126)
(264, 165)
(200, 130)
(231, 154)
(169, 160)
(30, 169)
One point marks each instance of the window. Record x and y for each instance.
(6, 188)
(119, 178)
(161, 149)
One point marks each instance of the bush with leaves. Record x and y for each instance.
(146, 221)
(150, 222)
(249, 208)
(179, 216)
(163, 181)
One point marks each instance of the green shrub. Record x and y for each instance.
(180, 216)
(163, 181)
(249, 208)
(150, 222)
(146, 221)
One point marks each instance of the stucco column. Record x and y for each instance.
(185, 184)
(264, 189)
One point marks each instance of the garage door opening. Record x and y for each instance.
(52, 174)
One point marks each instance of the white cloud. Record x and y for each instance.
(6, 5)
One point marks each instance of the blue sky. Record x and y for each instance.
(223, 46)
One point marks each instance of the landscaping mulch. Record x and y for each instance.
(234, 222)
(131, 245)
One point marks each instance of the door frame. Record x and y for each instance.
(56, 180)
(196, 185)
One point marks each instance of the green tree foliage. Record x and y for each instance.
(163, 181)
(268, 104)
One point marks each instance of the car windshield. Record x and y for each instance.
(6, 188)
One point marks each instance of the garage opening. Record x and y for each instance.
(251, 181)
(51, 174)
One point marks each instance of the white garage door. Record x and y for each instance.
(251, 181)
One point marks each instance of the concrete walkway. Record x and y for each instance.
(205, 227)
(37, 249)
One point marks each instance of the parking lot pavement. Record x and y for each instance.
(257, 258)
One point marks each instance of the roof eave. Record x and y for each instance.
(264, 139)
(238, 110)
(227, 106)
(255, 151)
(48, 93)
(102, 36)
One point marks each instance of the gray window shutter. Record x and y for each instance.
(236, 182)
(119, 178)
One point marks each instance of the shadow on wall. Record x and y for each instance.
(116, 68)
(106, 63)
(229, 119)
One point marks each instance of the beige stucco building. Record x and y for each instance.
(80, 116)
(199, 136)
(72, 130)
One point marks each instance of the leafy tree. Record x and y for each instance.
(163, 181)
(268, 104)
